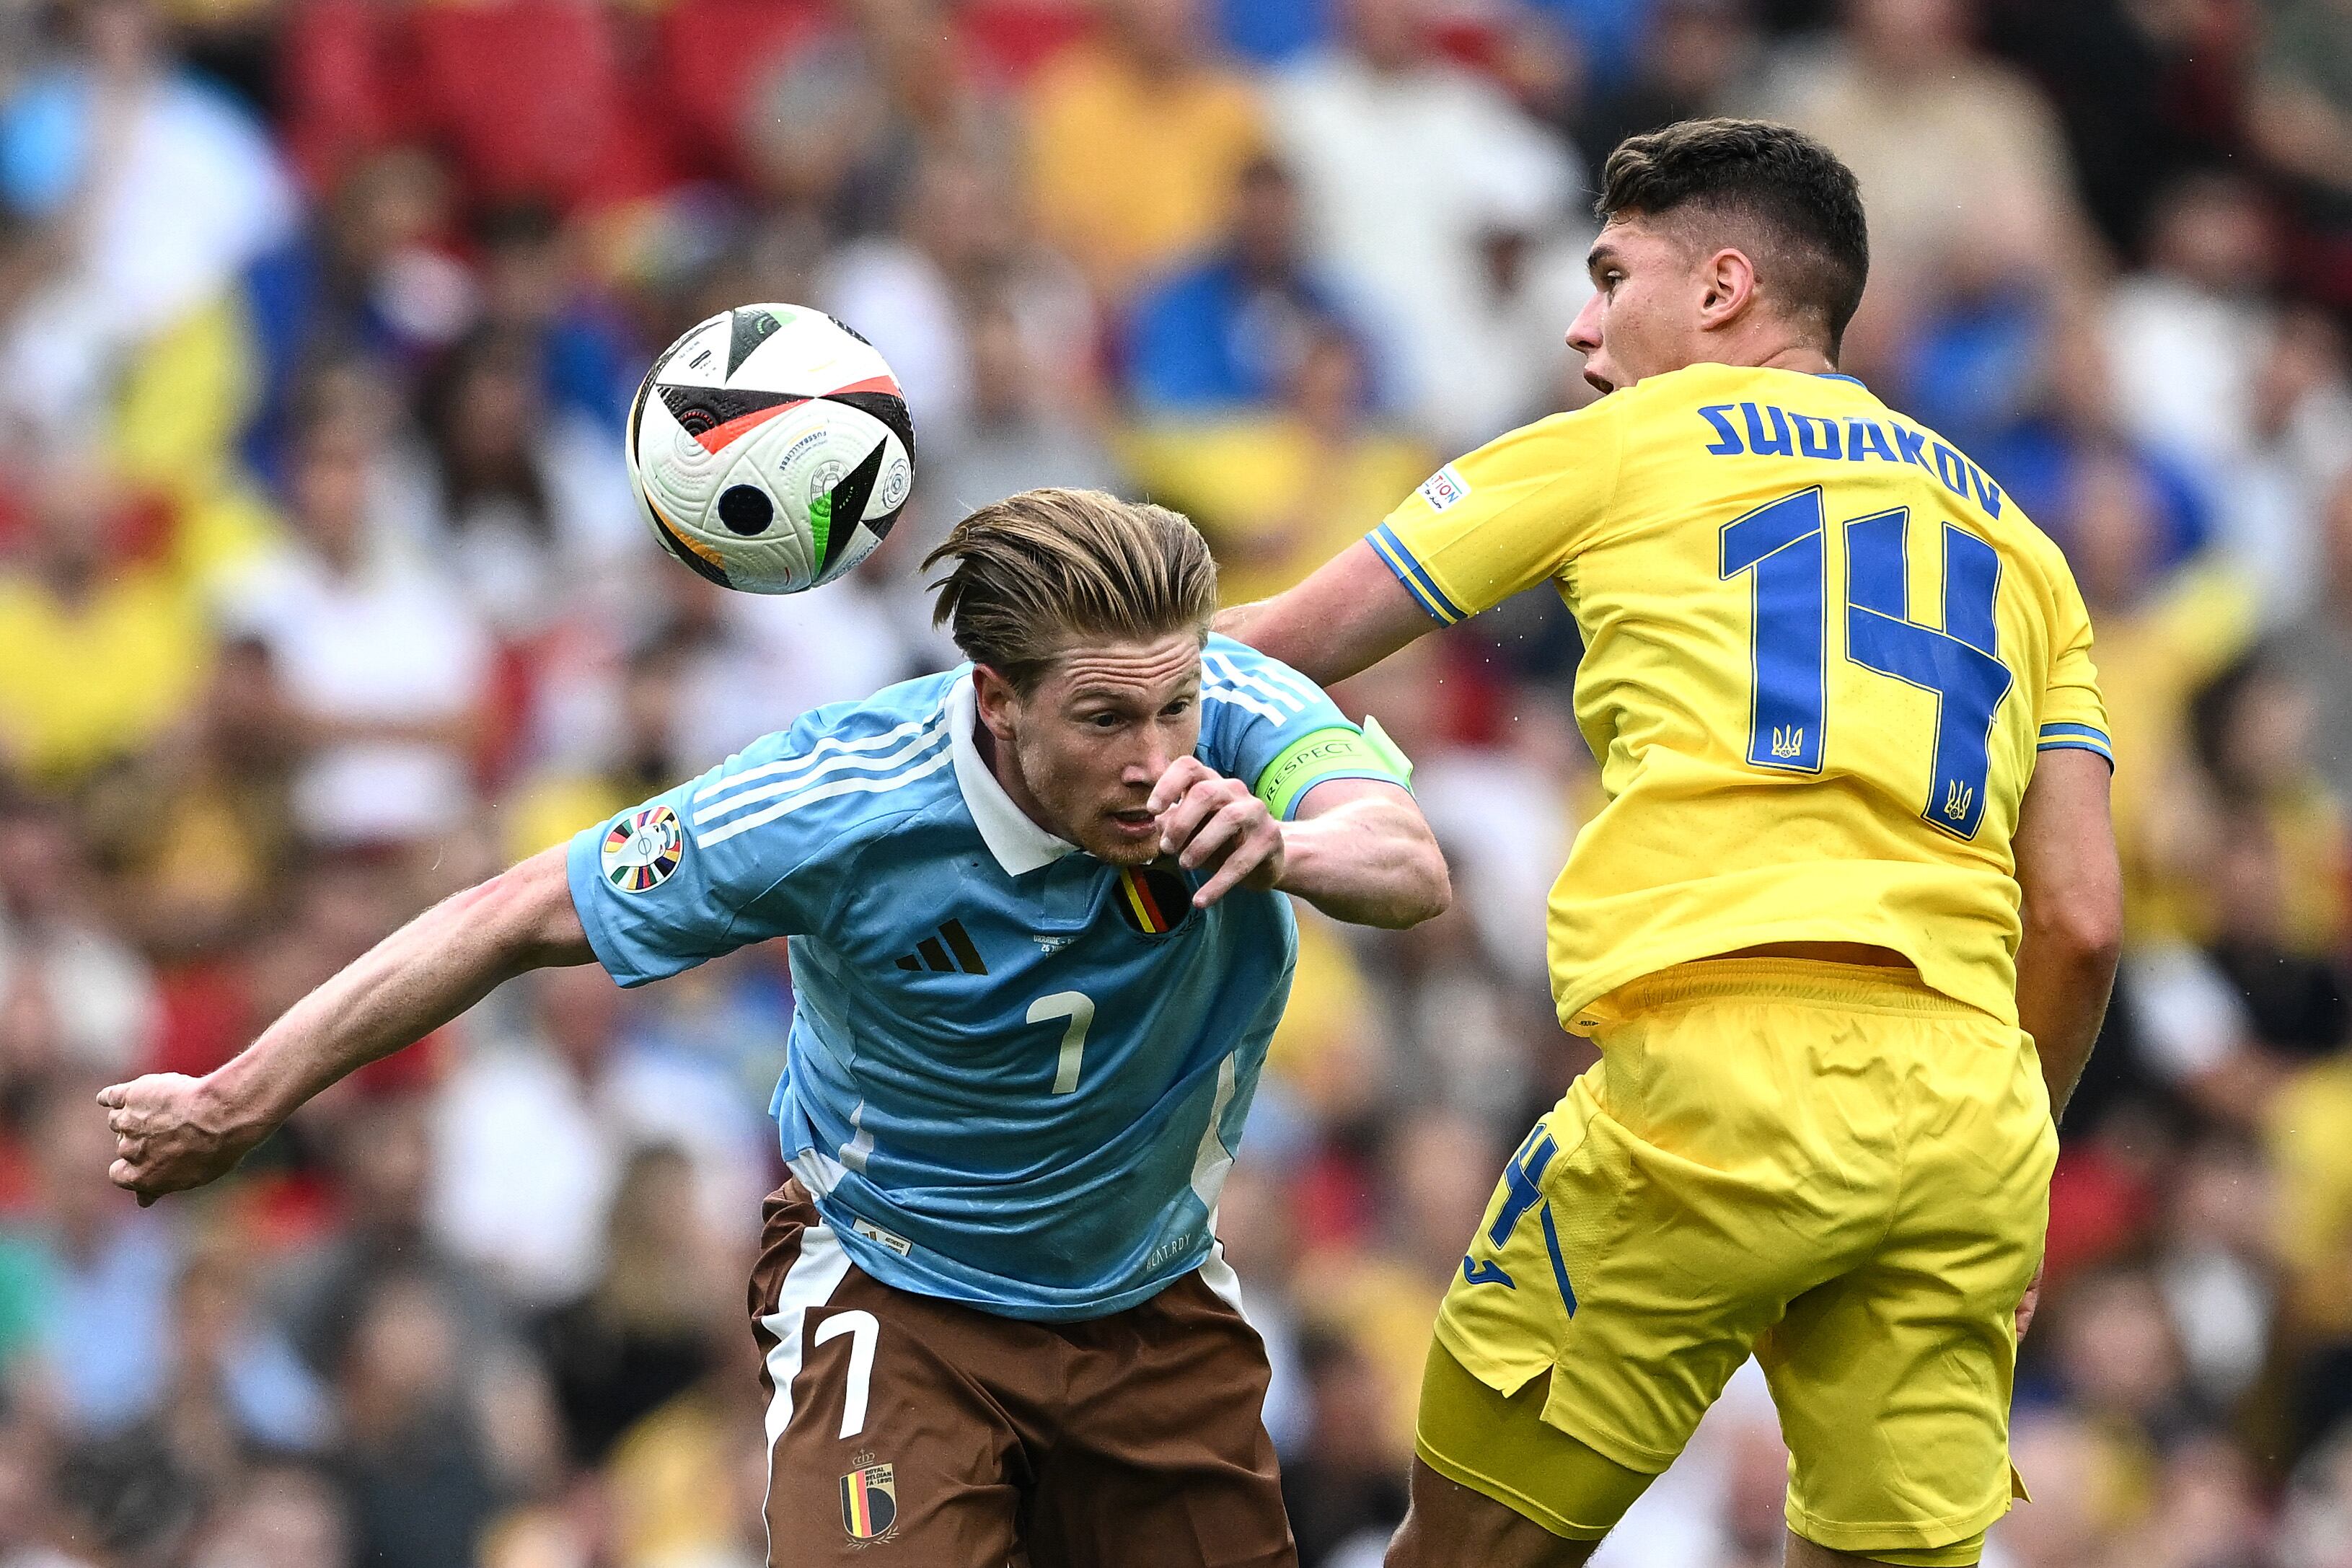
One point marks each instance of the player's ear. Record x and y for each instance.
(1729, 284)
(996, 701)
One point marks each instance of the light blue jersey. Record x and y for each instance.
(1016, 1073)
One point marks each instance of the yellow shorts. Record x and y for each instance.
(1834, 1168)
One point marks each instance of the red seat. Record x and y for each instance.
(526, 95)
(335, 83)
(1011, 39)
(708, 55)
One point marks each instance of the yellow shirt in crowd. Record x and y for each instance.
(82, 685)
(1275, 500)
(1128, 174)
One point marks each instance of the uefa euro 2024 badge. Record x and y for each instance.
(643, 849)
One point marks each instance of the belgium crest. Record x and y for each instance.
(869, 1500)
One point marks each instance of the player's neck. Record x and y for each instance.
(1762, 345)
(1803, 358)
(1007, 773)
(1791, 355)
(1772, 346)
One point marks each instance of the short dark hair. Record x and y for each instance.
(1029, 574)
(1802, 206)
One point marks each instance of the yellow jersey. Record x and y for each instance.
(1823, 651)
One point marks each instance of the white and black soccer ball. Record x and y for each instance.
(770, 448)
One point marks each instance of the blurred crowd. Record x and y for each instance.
(321, 594)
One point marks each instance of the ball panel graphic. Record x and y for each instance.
(770, 449)
(746, 509)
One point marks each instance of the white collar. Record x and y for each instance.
(1019, 845)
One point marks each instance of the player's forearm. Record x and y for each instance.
(2063, 980)
(403, 988)
(1350, 615)
(1370, 862)
(1276, 628)
(2073, 909)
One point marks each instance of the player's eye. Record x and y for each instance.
(1105, 721)
(1177, 709)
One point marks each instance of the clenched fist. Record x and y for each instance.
(1207, 818)
(172, 1133)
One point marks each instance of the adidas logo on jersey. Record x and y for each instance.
(933, 952)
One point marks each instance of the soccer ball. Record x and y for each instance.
(770, 448)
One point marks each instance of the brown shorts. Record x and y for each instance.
(904, 1428)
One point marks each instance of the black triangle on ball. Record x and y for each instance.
(747, 328)
(882, 405)
(691, 557)
(849, 499)
(698, 409)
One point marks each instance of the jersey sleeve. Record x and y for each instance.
(1270, 727)
(2074, 716)
(1506, 517)
(707, 868)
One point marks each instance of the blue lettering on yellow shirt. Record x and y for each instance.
(1772, 432)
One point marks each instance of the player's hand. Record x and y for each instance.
(171, 1134)
(2027, 1303)
(1208, 819)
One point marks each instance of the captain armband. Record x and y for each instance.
(1340, 751)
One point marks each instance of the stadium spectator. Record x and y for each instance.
(1693, 55)
(2299, 116)
(385, 663)
(644, 1332)
(1345, 1494)
(235, 1384)
(1134, 140)
(528, 1148)
(2318, 648)
(532, 287)
(157, 192)
(1229, 331)
(102, 1279)
(1276, 491)
(381, 1154)
(74, 998)
(2273, 418)
(416, 1460)
(1012, 436)
(100, 649)
(1425, 189)
(2201, 311)
(1961, 163)
(520, 501)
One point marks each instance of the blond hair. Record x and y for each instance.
(1032, 572)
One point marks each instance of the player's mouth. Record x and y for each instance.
(1135, 822)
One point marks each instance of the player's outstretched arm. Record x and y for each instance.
(1359, 851)
(2067, 868)
(1348, 615)
(173, 1132)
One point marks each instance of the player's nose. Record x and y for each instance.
(1584, 332)
(1150, 762)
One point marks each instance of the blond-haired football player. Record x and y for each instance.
(1843, 931)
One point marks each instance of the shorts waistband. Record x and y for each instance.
(1850, 987)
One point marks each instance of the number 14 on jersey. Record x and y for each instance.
(1781, 546)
